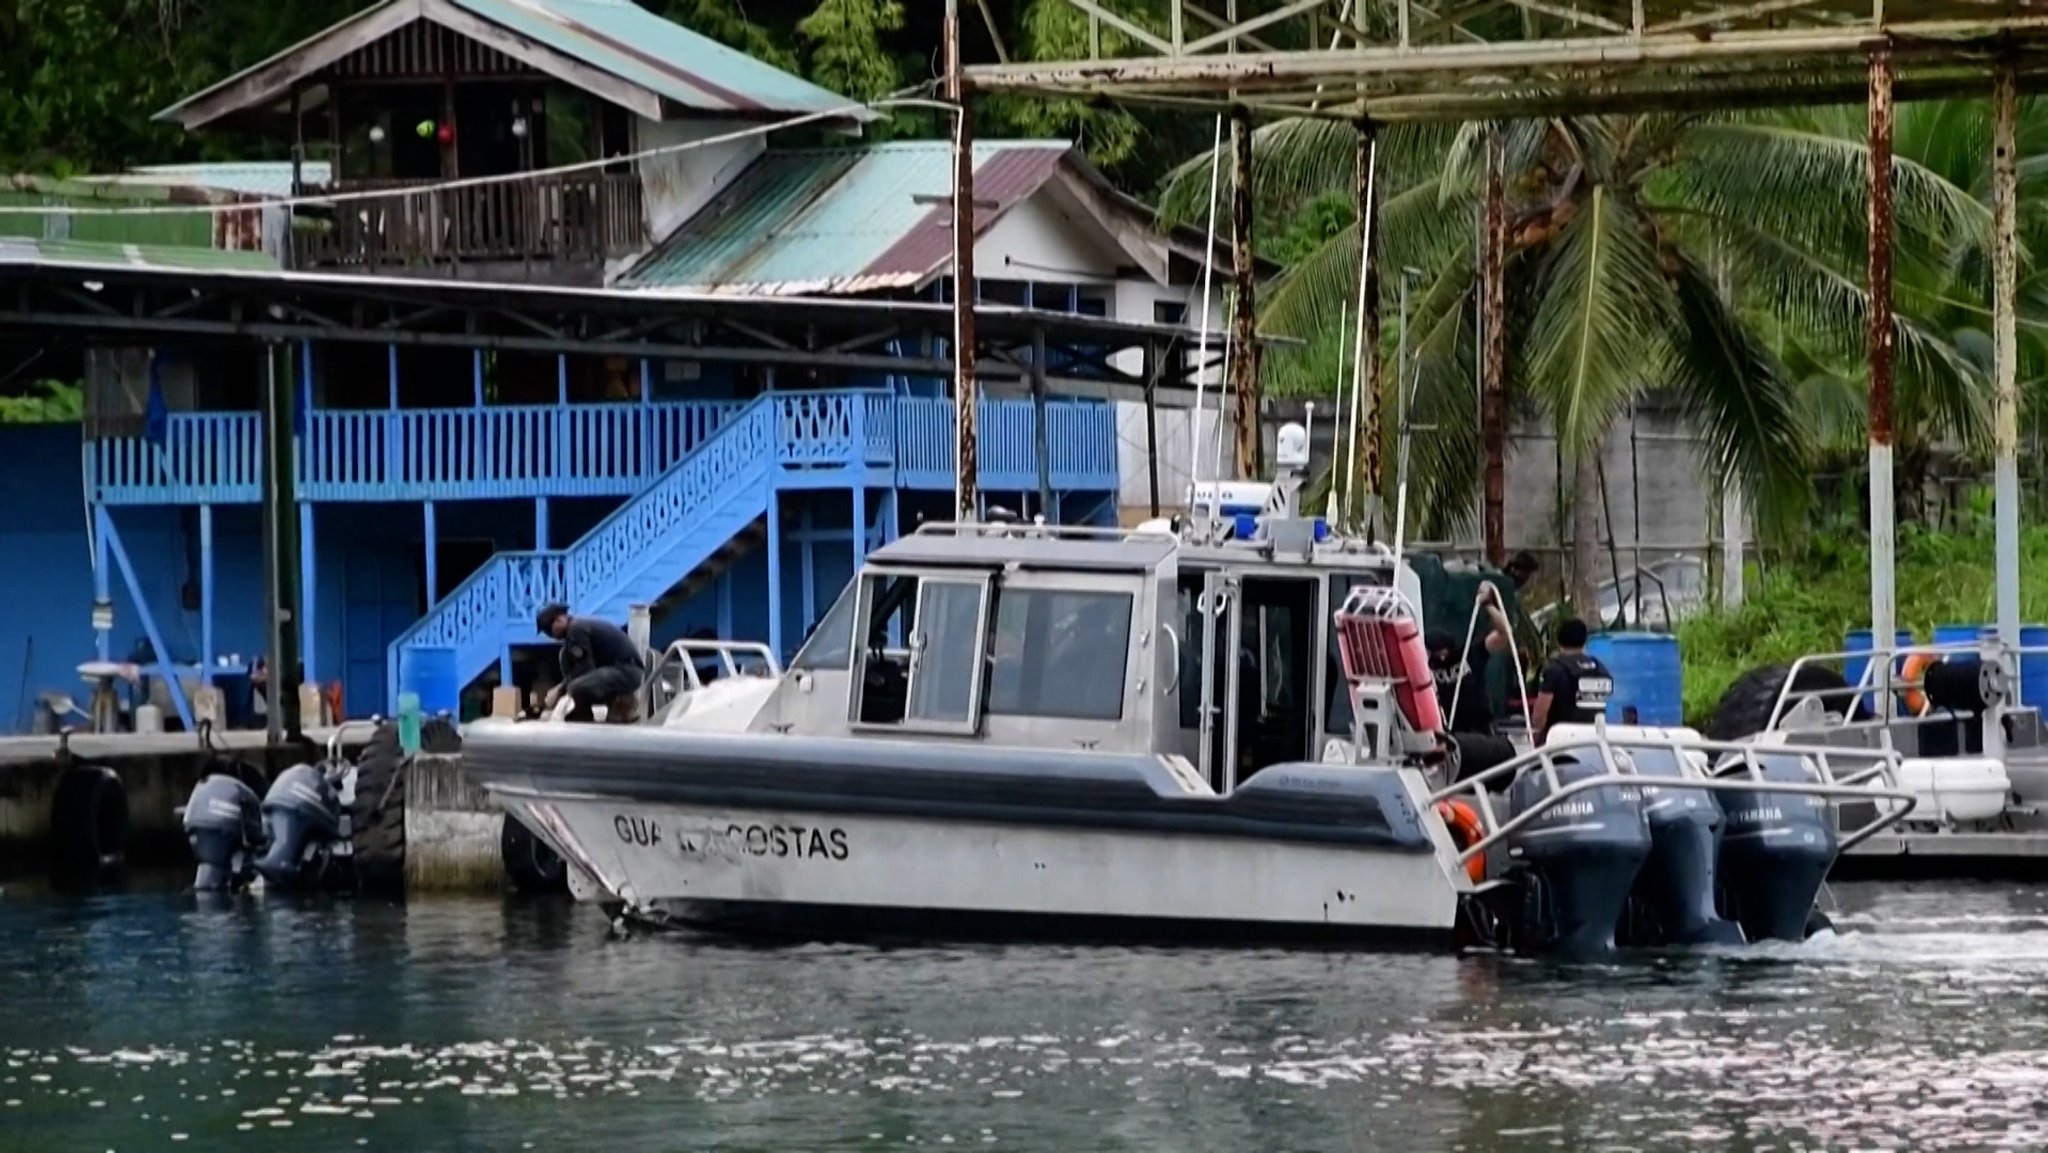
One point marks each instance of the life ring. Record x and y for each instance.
(1915, 669)
(1467, 830)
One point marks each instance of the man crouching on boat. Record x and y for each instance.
(600, 663)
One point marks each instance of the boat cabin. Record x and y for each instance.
(1214, 643)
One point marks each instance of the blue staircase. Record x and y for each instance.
(686, 517)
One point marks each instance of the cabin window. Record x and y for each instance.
(830, 645)
(1059, 653)
(945, 663)
(920, 657)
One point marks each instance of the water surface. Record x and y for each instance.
(145, 1020)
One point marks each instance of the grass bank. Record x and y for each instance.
(1806, 604)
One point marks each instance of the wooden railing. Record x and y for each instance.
(578, 217)
(612, 449)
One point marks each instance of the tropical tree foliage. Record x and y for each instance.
(1717, 259)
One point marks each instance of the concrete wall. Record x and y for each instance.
(677, 184)
(1657, 502)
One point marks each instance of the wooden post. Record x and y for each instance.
(1244, 362)
(966, 396)
(1494, 355)
(1367, 366)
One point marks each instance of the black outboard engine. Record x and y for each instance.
(1776, 850)
(224, 825)
(1585, 851)
(1678, 881)
(303, 814)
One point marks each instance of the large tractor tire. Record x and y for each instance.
(377, 816)
(1745, 708)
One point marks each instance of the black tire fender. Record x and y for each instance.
(89, 822)
(533, 868)
(377, 815)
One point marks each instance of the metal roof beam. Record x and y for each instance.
(1659, 54)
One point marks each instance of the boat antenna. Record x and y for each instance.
(1372, 166)
(1344, 422)
(1202, 323)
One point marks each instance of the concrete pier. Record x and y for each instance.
(158, 772)
(452, 830)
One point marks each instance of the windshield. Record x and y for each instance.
(830, 645)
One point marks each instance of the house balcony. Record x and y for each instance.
(577, 219)
(613, 449)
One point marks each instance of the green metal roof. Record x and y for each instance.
(641, 48)
(840, 220)
(17, 250)
(677, 67)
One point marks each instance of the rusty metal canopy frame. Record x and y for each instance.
(1408, 60)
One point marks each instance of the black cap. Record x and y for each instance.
(1439, 641)
(545, 620)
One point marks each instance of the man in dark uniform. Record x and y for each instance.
(600, 663)
(1575, 684)
(1462, 676)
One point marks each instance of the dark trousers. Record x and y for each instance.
(599, 687)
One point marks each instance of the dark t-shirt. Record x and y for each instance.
(595, 644)
(1475, 707)
(1579, 686)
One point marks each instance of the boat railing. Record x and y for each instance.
(735, 659)
(1731, 766)
(1883, 681)
(1032, 529)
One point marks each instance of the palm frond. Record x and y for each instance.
(1738, 399)
(1602, 309)
(1829, 308)
(1299, 158)
(1417, 229)
(1808, 185)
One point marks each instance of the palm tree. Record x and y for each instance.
(1642, 251)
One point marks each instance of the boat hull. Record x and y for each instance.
(823, 875)
(827, 838)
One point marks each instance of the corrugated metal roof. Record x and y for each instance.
(837, 220)
(617, 37)
(641, 48)
(257, 178)
(29, 250)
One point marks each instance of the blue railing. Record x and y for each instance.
(500, 452)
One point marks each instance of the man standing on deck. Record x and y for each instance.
(600, 663)
(1575, 684)
(1461, 677)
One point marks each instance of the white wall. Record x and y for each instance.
(1046, 240)
(1133, 464)
(678, 184)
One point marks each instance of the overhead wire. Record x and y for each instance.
(901, 99)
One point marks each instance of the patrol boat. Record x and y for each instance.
(1219, 729)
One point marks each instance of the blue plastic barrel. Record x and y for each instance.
(1959, 635)
(429, 671)
(1858, 641)
(1646, 677)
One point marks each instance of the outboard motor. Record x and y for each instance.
(1776, 850)
(303, 815)
(1585, 851)
(1677, 882)
(224, 825)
